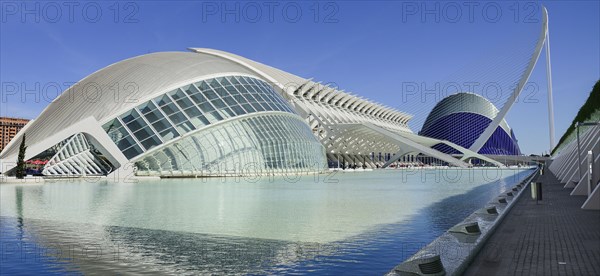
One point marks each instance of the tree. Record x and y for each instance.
(21, 170)
(591, 105)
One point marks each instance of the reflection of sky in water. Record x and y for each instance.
(365, 221)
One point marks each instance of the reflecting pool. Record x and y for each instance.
(333, 223)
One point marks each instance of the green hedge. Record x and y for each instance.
(585, 112)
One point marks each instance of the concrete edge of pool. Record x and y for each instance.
(451, 253)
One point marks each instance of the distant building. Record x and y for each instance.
(461, 118)
(9, 128)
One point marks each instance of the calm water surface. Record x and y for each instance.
(359, 223)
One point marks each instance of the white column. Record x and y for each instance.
(550, 99)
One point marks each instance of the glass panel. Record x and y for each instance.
(146, 107)
(177, 94)
(224, 81)
(161, 125)
(203, 86)
(257, 106)
(252, 81)
(117, 134)
(214, 82)
(262, 97)
(233, 80)
(217, 115)
(177, 118)
(198, 98)
(267, 85)
(228, 111)
(221, 91)
(267, 106)
(243, 80)
(185, 103)
(169, 109)
(204, 120)
(136, 125)
(210, 94)
(154, 116)
(233, 92)
(206, 107)
(219, 104)
(132, 152)
(281, 100)
(190, 89)
(214, 116)
(238, 110)
(199, 121)
(243, 89)
(143, 133)
(126, 142)
(185, 127)
(169, 134)
(192, 112)
(269, 97)
(230, 101)
(151, 142)
(251, 89)
(162, 100)
(129, 116)
(248, 108)
(251, 98)
(111, 125)
(281, 107)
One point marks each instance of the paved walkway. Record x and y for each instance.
(555, 237)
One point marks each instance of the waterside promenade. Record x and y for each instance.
(552, 237)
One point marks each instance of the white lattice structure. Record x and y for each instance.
(572, 167)
(76, 158)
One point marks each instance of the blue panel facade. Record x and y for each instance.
(464, 128)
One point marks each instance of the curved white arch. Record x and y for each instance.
(478, 144)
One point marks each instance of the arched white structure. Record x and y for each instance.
(542, 40)
(352, 129)
(208, 112)
(573, 166)
(170, 114)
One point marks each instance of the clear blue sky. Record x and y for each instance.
(369, 48)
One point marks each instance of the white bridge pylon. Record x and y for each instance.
(544, 39)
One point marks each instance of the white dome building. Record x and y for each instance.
(208, 112)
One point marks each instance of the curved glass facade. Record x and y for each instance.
(202, 104)
(273, 143)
